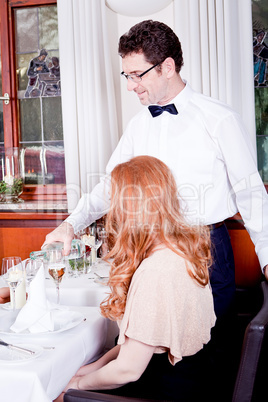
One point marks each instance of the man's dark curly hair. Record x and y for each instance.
(155, 40)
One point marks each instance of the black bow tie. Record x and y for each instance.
(157, 110)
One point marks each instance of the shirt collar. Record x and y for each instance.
(183, 97)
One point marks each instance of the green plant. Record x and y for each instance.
(78, 263)
(3, 187)
(17, 186)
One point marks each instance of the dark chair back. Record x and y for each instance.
(251, 367)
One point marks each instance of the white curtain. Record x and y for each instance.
(88, 101)
(216, 38)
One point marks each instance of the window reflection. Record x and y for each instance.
(43, 165)
(43, 76)
(260, 56)
(39, 94)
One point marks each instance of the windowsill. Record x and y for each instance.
(35, 206)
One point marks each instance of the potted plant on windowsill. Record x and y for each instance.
(11, 185)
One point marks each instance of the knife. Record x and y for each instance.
(18, 348)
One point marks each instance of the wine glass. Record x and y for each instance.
(95, 245)
(13, 274)
(31, 268)
(56, 267)
(104, 250)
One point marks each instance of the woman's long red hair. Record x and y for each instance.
(145, 213)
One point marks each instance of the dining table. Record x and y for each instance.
(87, 289)
(41, 377)
(59, 354)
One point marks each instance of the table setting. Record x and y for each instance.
(51, 358)
(39, 315)
(59, 314)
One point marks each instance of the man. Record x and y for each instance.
(36, 67)
(202, 141)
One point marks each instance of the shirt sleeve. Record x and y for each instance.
(94, 205)
(247, 185)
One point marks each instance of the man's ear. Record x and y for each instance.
(168, 67)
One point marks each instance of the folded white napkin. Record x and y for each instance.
(39, 315)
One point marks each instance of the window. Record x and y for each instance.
(32, 120)
(260, 55)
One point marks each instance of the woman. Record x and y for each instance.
(160, 292)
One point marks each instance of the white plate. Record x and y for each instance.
(9, 356)
(77, 318)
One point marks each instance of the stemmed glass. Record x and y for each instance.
(95, 246)
(31, 268)
(13, 274)
(56, 267)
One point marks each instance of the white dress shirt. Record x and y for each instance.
(211, 156)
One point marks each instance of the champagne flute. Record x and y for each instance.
(13, 274)
(56, 268)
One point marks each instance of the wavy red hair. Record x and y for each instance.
(145, 213)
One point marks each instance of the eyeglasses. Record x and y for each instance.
(138, 77)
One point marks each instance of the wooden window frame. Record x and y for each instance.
(9, 85)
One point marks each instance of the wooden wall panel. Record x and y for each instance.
(247, 267)
(21, 233)
(21, 241)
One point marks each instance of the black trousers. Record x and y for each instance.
(222, 272)
(223, 346)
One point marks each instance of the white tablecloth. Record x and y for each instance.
(85, 290)
(81, 291)
(42, 379)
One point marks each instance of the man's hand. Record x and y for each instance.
(265, 271)
(63, 233)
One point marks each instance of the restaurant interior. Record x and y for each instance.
(57, 133)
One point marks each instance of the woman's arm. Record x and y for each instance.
(89, 368)
(128, 366)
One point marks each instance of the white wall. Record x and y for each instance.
(128, 103)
